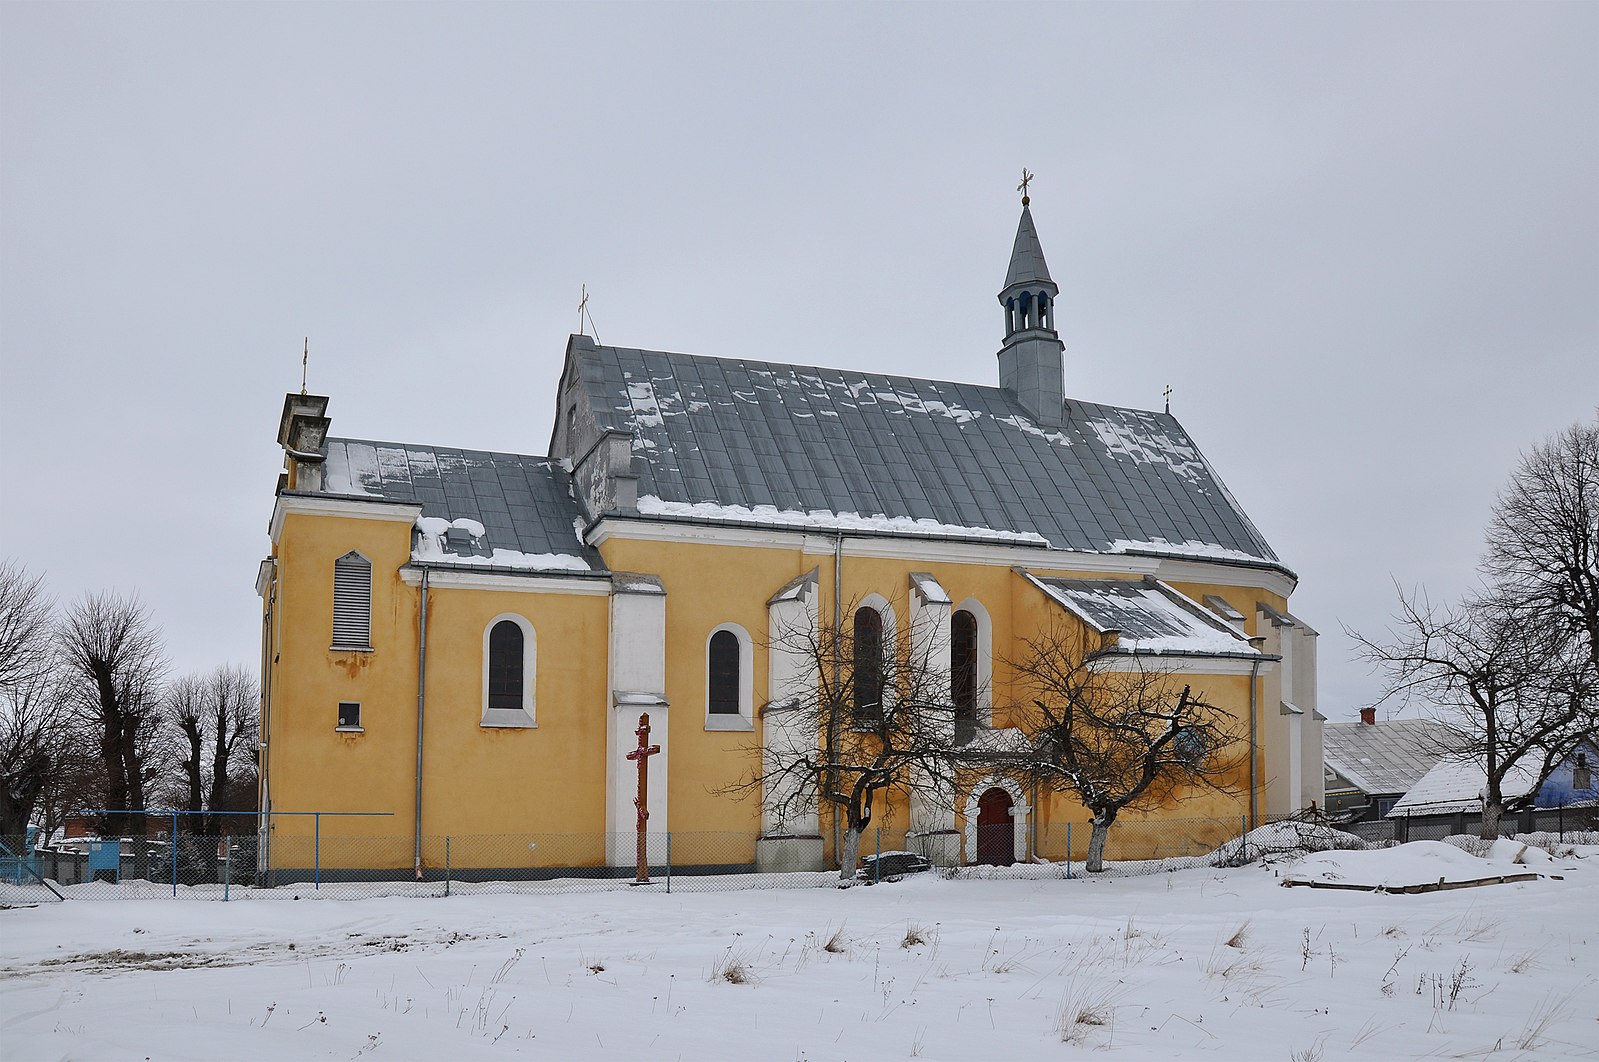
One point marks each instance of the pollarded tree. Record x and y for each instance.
(113, 670)
(1116, 730)
(1513, 693)
(1543, 538)
(878, 715)
(216, 714)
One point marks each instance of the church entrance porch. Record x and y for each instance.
(996, 832)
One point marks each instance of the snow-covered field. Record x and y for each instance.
(1208, 963)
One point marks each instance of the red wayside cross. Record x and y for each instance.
(642, 755)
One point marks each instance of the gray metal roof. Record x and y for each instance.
(525, 504)
(1386, 758)
(752, 433)
(1027, 254)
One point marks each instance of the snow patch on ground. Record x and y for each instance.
(1204, 964)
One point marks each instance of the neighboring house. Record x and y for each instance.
(1454, 786)
(1371, 764)
(464, 641)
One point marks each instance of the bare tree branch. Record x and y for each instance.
(1115, 729)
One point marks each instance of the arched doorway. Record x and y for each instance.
(996, 830)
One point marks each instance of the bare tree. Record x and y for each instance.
(30, 715)
(1543, 538)
(1116, 731)
(1513, 694)
(216, 715)
(879, 717)
(113, 671)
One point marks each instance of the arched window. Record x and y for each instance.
(505, 665)
(509, 656)
(868, 665)
(729, 682)
(723, 662)
(352, 602)
(963, 673)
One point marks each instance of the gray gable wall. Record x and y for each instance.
(797, 438)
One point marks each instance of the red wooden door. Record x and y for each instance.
(996, 833)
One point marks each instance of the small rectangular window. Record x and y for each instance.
(349, 715)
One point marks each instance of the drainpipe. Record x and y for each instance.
(1254, 697)
(838, 632)
(421, 704)
(269, 652)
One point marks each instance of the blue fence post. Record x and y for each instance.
(1068, 851)
(316, 855)
(1243, 837)
(174, 837)
(668, 860)
(446, 864)
(877, 864)
(227, 866)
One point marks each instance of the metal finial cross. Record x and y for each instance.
(582, 309)
(1167, 394)
(305, 363)
(1027, 179)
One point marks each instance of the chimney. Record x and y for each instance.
(1369, 716)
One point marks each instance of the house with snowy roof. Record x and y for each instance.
(1371, 764)
(465, 640)
(1450, 792)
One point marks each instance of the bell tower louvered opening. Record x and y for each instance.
(352, 602)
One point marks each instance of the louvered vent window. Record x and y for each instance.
(352, 602)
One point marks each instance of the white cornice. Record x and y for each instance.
(948, 551)
(321, 505)
(1171, 664)
(466, 579)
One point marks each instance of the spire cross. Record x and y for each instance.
(305, 363)
(582, 308)
(642, 755)
(1167, 394)
(1027, 179)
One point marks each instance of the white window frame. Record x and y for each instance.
(357, 728)
(334, 644)
(985, 659)
(745, 719)
(525, 717)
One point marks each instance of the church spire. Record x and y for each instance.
(1032, 360)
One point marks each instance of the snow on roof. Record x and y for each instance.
(479, 509)
(736, 440)
(1150, 616)
(1386, 757)
(1455, 784)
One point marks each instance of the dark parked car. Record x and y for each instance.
(890, 866)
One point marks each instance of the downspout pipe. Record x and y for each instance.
(838, 633)
(269, 655)
(421, 710)
(1254, 699)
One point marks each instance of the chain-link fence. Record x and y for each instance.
(311, 858)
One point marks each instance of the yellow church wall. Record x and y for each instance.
(551, 779)
(706, 586)
(479, 781)
(312, 767)
(502, 780)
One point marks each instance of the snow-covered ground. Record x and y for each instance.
(1206, 962)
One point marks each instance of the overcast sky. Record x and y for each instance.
(1359, 241)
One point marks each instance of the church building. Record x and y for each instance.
(462, 642)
